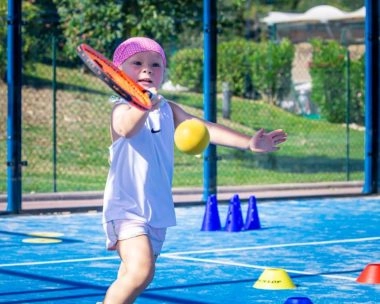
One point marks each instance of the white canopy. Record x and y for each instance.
(320, 13)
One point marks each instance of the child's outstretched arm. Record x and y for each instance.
(260, 142)
(267, 142)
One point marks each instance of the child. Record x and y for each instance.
(138, 204)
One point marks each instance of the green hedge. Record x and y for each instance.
(186, 68)
(250, 68)
(329, 69)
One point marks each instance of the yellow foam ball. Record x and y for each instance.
(191, 137)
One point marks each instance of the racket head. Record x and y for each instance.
(115, 78)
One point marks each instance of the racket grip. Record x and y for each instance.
(155, 121)
(155, 98)
(149, 93)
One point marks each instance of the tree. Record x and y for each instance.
(36, 19)
(95, 22)
(104, 25)
(3, 40)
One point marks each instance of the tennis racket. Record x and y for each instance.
(115, 78)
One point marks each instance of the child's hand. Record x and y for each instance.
(263, 142)
(156, 99)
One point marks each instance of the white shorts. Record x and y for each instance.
(118, 230)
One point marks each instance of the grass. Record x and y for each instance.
(316, 151)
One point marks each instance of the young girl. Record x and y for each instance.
(138, 204)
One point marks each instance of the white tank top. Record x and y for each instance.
(139, 182)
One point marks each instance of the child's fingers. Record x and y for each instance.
(156, 100)
(260, 133)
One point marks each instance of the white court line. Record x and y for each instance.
(59, 261)
(177, 255)
(375, 238)
(178, 258)
(230, 263)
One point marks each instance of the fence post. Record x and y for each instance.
(348, 113)
(209, 91)
(226, 106)
(372, 97)
(54, 114)
(14, 120)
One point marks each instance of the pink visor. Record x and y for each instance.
(136, 45)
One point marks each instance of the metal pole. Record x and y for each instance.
(371, 163)
(14, 68)
(209, 92)
(54, 114)
(348, 113)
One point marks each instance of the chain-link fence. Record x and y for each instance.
(65, 131)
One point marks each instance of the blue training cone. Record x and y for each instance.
(211, 220)
(298, 300)
(252, 220)
(234, 221)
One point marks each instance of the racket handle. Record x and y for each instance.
(149, 93)
(155, 121)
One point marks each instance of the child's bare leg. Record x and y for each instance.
(122, 270)
(135, 273)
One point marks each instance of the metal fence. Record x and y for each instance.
(65, 132)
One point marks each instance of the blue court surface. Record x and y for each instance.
(323, 244)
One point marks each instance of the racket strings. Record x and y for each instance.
(115, 78)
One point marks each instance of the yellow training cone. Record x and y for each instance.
(274, 278)
(41, 241)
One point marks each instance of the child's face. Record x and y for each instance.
(146, 68)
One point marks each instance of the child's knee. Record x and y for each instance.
(145, 272)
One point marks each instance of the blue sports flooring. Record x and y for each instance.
(322, 244)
